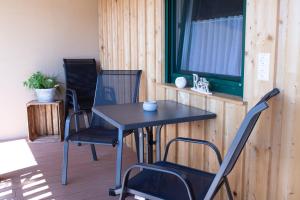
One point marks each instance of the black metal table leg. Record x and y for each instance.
(150, 144)
(141, 145)
(157, 142)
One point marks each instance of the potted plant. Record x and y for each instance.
(44, 86)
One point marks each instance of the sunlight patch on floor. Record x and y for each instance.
(34, 186)
(5, 193)
(39, 189)
(18, 156)
(6, 189)
(5, 184)
(42, 196)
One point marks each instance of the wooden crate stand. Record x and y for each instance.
(45, 119)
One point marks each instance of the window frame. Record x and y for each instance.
(218, 83)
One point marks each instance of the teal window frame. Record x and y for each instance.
(218, 83)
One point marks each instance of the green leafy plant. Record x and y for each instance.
(41, 81)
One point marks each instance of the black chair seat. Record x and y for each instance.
(98, 135)
(169, 187)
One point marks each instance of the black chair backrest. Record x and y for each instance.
(81, 76)
(116, 87)
(269, 95)
(240, 140)
(247, 127)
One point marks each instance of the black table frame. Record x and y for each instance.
(114, 114)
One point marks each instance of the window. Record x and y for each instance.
(206, 37)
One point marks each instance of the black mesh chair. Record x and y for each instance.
(81, 77)
(113, 87)
(170, 181)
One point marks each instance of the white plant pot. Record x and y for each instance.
(45, 95)
(180, 82)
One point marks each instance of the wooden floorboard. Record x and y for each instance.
(87, 179)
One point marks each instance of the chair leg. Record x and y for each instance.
(94, 153)
(229, 193)
(149, 145)
(136, 138)
(118, 178)
(122, 196)
(64, 175)
(77, 126)
(86, 120)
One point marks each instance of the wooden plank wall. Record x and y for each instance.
(272, 156)
(131, 36)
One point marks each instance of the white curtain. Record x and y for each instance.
(213, 46)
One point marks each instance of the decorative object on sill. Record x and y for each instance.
(200, 84)
(180, 82)
(45, 86)
(150, 106)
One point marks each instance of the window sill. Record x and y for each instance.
(215, 95)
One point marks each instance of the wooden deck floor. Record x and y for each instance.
(87, 179)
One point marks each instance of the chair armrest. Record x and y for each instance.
(195, 141)
(68, 122)
(72, 93)
(161, 169)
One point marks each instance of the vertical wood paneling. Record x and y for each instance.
(197, 132)
(101, 32)
(150, 48)
(43, 124)
(31, 123)
(133, 45)
(234, 114)
(289, 168)
(131, 35)
(49, 118)
(183, 131)
(114, 33)
(161, 95)
(159, 22)
(103, 19)
(110, 50)
(274, 190)
(126, 34)
(214, 132)
(141, 54)
(171, 130)
(259, 150)
(261, 37)
(127, 45)
(55, 116)
(120, 40)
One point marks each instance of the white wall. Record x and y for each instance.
(37, 35)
